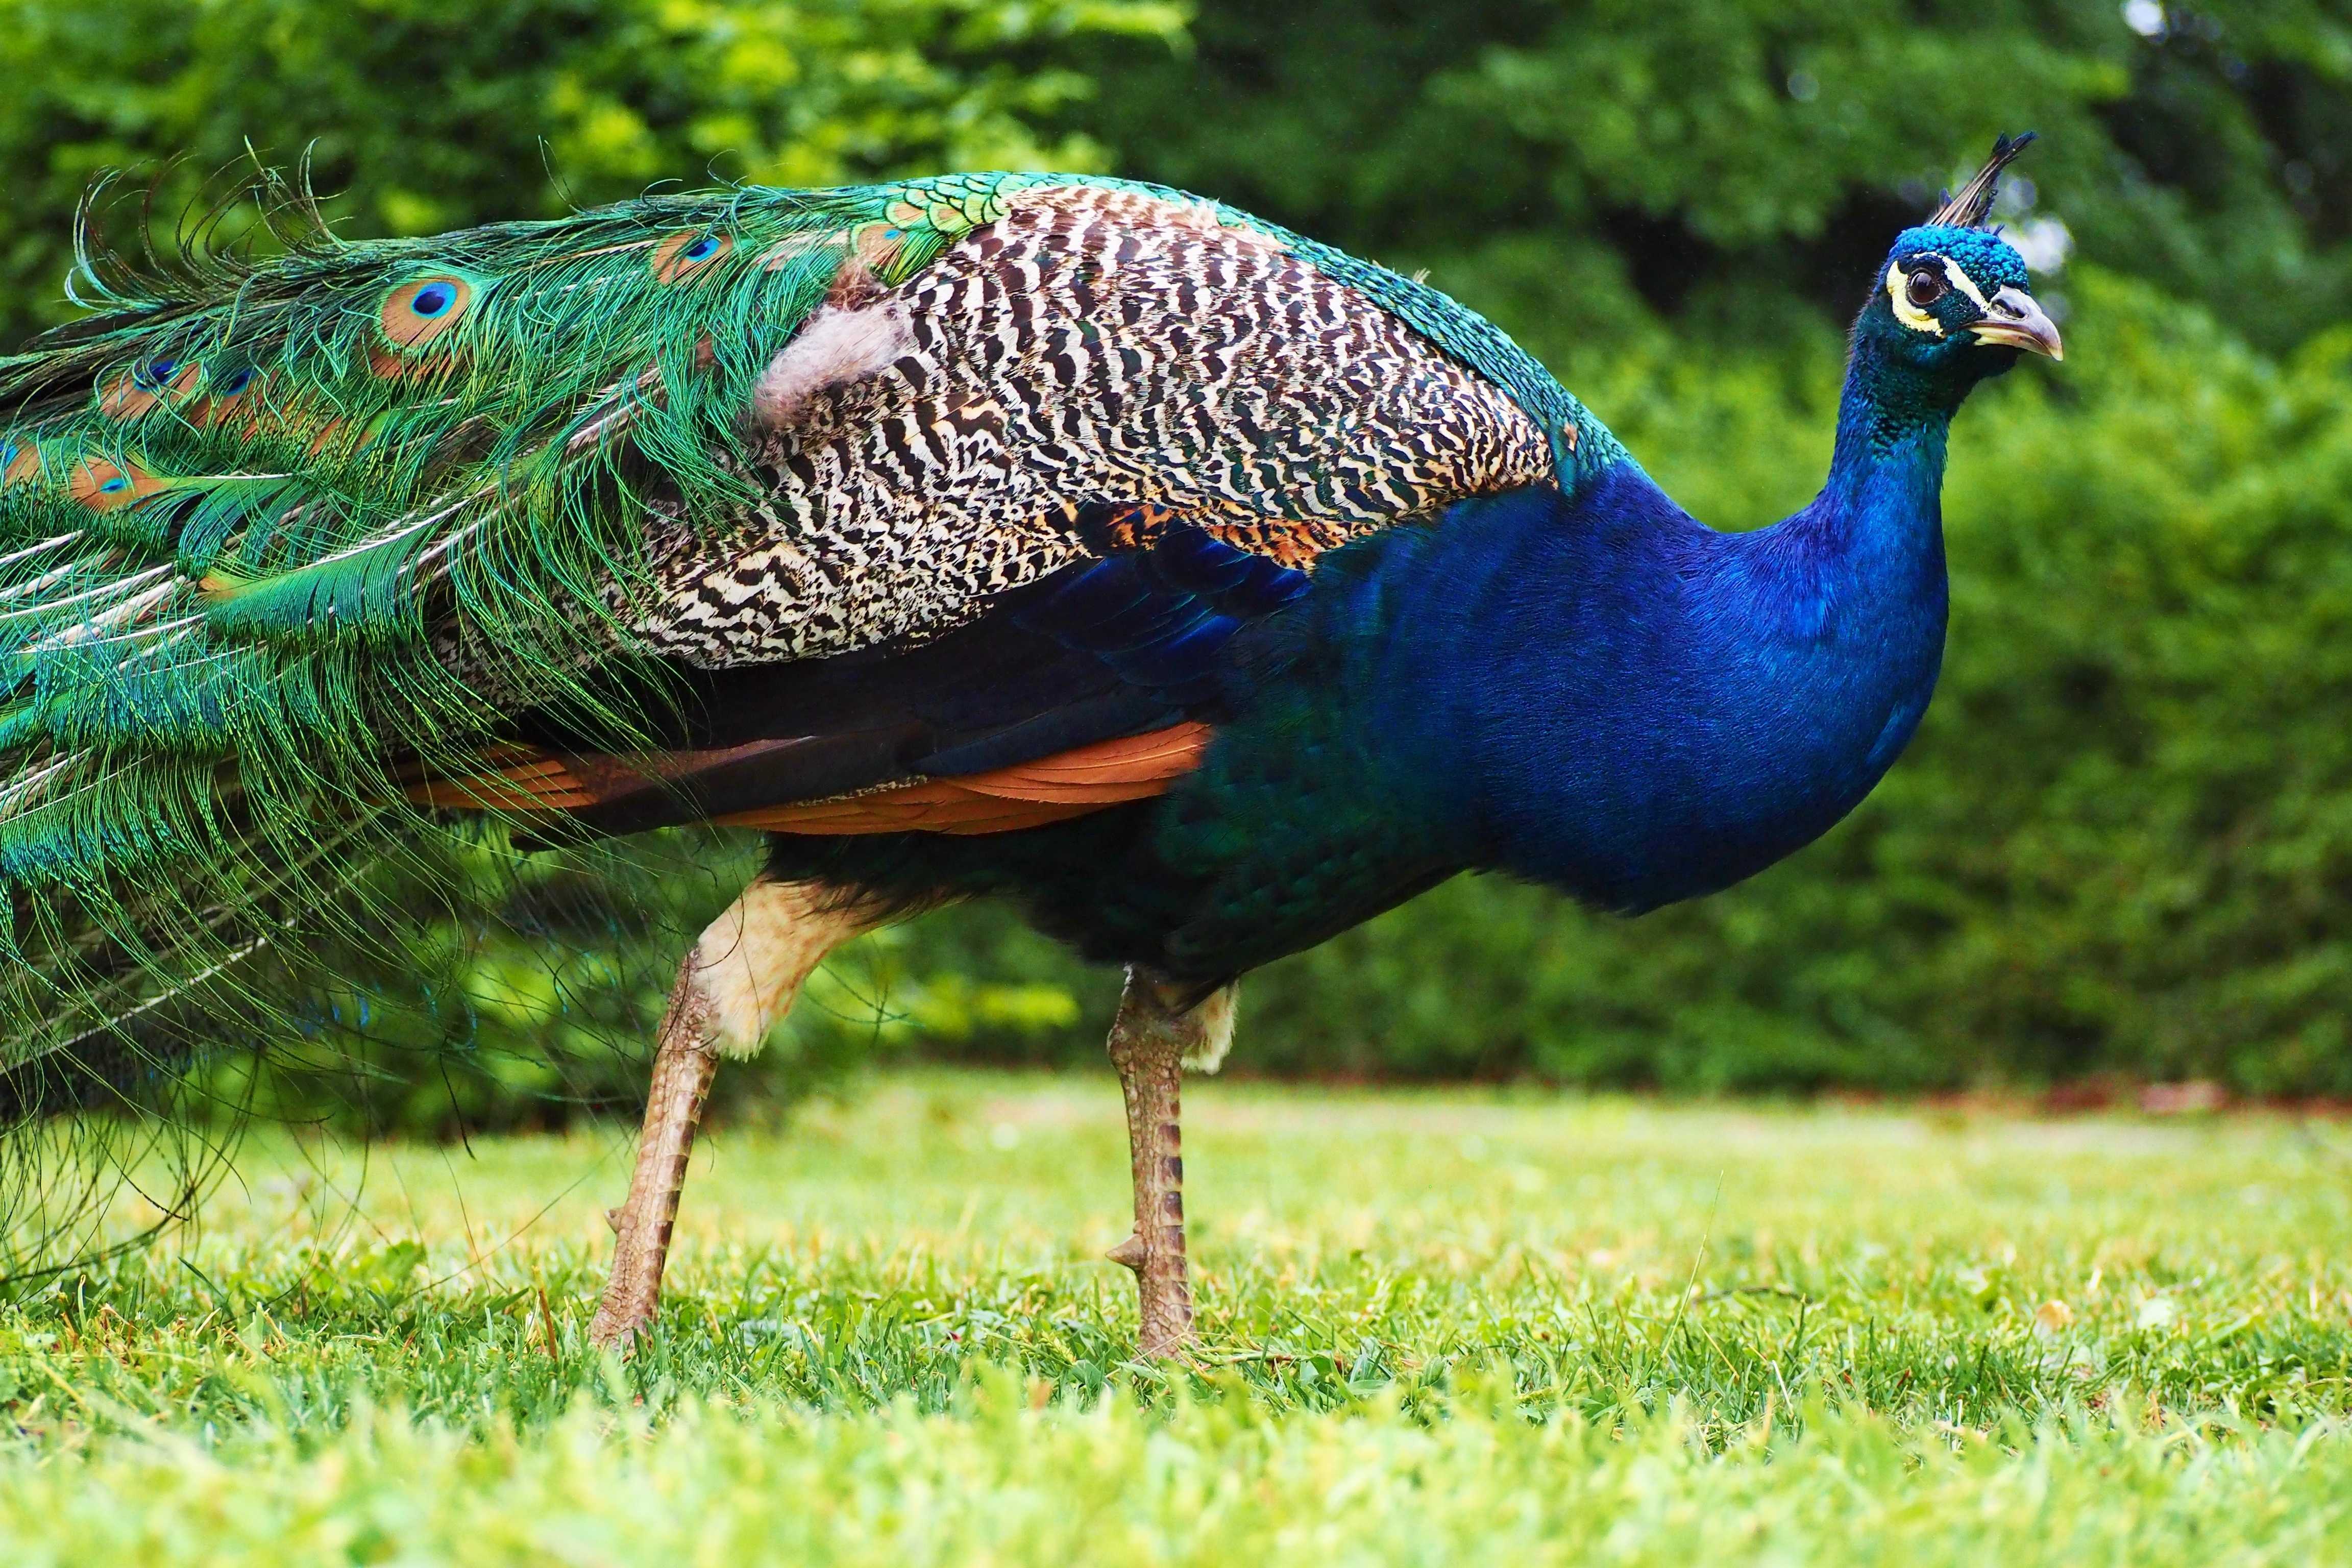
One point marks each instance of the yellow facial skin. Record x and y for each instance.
(2010, 318)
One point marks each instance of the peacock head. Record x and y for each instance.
(1952, 299)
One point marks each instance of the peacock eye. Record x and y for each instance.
(1926, 286)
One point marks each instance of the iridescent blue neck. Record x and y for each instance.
(1638, 708)
(1887, 472)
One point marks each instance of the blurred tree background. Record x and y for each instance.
(2123, 841)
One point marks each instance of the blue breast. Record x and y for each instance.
(1625, 704)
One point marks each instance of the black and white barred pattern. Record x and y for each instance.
(926, 446)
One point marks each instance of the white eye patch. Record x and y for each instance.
(1912, 316)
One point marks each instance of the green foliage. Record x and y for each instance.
(1720, 164)
(1438, 1327)
(433, 117)
(2120, 841)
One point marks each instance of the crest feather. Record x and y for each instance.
(1967, 208)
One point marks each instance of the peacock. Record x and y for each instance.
(1199, 588)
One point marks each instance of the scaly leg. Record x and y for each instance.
(1151, 1041)
(742, 977)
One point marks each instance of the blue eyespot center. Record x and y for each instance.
(237, 382)
(116, 485)
(702, 249)
(158, 372)
(432, 299)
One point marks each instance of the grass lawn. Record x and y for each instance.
(1439, 1327)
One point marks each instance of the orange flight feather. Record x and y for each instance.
(1026, 794)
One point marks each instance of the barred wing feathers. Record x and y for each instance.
(921, 448)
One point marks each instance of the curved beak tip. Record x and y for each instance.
(2016, 319)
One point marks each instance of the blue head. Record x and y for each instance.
(1952, 303)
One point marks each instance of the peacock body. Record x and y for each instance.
(1202, 588)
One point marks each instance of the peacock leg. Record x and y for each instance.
(739, 980)
(1153, 1038)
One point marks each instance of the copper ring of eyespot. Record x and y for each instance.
(104, 486)
(683, 254)
(418, 368)
(24, 462)
(879, 245)
(416, 313)
(223, 398)
(121, 397)
(140, 388)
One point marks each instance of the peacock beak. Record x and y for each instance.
(2015, 317)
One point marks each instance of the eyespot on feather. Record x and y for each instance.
(879, 245)
(682, 255)
(226, 399)
(135, 391)
(20, 462)
(416, 312)
(101, 484)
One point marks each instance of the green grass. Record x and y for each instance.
(1439, 1327)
